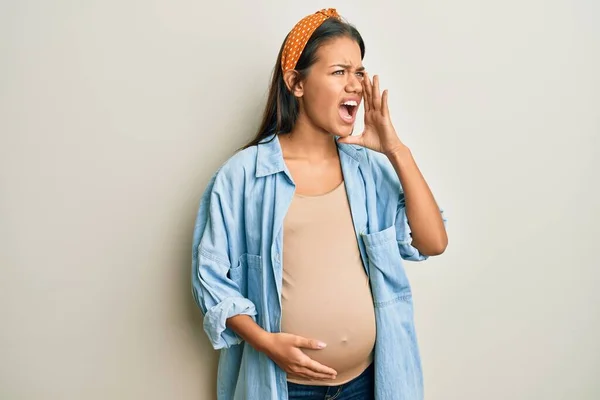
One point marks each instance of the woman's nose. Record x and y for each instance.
(354, 84)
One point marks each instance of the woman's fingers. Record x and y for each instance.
(365, 97)
(373, 98)
(375, 95)
(367, 89)
(385, 110)
(306, 343)
(319, 368)
(308, 373)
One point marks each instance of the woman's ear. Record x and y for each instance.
(293, 82)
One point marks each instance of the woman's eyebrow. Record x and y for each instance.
(346, 66)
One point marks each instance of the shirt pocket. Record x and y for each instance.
(247, 275)
(389, 282)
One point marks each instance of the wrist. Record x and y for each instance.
(260, 340)
(249, 331)
(398, 151)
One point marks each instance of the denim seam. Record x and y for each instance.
(403, 297)
(214, 258)
(380, 243)
(337, 394)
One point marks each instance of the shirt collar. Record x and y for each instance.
(269, 157)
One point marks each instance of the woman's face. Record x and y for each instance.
(331, 93)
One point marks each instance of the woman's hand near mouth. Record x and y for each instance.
(379, 133)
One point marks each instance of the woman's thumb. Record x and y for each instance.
(352, 139)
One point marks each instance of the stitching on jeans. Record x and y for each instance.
(335, 396)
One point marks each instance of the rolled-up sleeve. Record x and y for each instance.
(218, 297)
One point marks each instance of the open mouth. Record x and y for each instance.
(348, 110)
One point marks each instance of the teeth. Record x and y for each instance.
(350, 103)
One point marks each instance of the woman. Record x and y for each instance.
(299, 239)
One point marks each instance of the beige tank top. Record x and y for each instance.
(326, 293)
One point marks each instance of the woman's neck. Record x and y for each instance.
(306, 141)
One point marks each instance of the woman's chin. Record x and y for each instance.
(345, 132)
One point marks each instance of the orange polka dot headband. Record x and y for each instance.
(299, 35)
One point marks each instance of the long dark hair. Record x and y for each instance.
(282, 108)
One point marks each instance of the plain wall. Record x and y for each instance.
(114, 114)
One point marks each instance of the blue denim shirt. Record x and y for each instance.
(237, 266)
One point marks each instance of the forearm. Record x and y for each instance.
(249, 331)
(423, 213)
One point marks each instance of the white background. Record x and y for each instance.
(114, 114)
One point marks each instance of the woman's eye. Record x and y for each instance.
(360, 74)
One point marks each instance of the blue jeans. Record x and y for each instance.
(360, 388)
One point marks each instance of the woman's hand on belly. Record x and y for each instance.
(285, 350)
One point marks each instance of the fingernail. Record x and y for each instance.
(321, 345)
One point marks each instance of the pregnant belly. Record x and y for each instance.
(347, 326)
